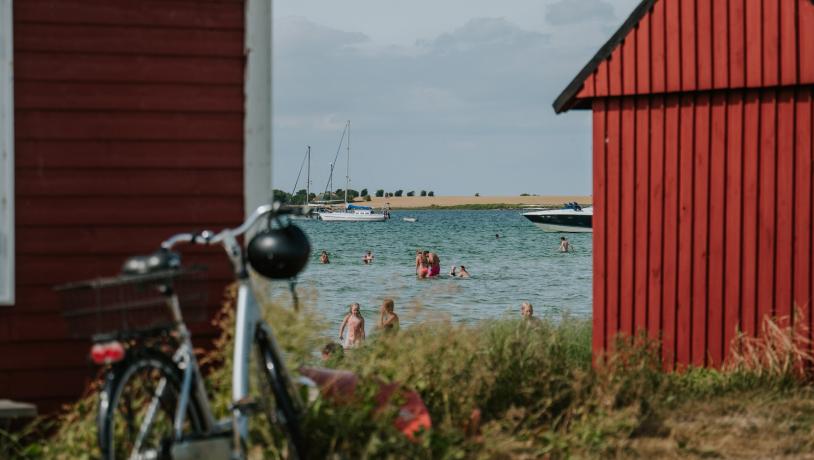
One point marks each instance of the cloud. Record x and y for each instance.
(480, 92)
(565, 12)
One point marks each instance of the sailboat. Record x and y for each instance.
(350, 212)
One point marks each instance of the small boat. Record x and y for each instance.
(410, 219)
(353, 213)
(571, 218)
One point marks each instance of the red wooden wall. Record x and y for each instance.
(129, 127)
(703, 152)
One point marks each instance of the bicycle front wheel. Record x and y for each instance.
(286, 412)
(137, 407)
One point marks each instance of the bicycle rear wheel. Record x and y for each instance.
(137, 407)
(287, 410)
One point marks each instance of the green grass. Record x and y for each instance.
(504, 389)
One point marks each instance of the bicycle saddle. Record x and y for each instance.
(151, 263)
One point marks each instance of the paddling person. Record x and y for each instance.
(367, 258)
(565, 246)
(463, 273)
(323, 258)
(435, 263)
(355, 324)
(388, 319)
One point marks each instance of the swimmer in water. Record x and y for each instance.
(367, 258)
(435, 264)
(463, 273)
(323, 258)
(565, 246)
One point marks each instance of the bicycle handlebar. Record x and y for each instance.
(208, 237)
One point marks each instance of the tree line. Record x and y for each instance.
(339, 194)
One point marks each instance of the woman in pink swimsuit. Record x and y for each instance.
(422, 264)
(356, 328)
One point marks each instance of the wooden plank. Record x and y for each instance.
(733, 269)
(587, 90)
(655, 303)
(689, 42)
(114, 39)
(785, 205)
(613, 219)
(128, 69)
(771, 42)
(643, 61)
(805, 39)
(641, 216)
(629, 56)
(133, 182)
(717, 231)
(700, 229)
(673, 44)
(658, 49)
(156, 126)
(152, 97)
(90, 211)
(720, 43)
(685, 229)
(599, 244)
(704, 36)
(627, 252)
(751, 176)
(175, 14)
(671, 222)
(788, 42)
(737, 44)
(615, 77)
(754, 45)
(135, 154)
(767, 210)
(802, 209)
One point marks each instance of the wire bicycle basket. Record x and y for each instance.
(128, 306)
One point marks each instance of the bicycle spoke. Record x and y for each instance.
(147, 424)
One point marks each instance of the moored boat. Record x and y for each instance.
(570, 219)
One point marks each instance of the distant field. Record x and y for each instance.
(405, 202)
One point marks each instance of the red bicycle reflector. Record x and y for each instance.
(107, 353)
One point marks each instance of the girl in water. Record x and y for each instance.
(356, 328)
(323, 258)
(388, 320)
(422, 264)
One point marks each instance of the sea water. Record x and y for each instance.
(523, 264)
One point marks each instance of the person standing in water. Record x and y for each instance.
(323, 258)
(367, 258)
(355, 324)
(463, 273)
(422, 265)
(435, 263)
(388, 319)
(565, 246)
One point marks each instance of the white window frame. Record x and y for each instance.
(7, 247)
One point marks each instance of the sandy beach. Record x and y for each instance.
(407, 202)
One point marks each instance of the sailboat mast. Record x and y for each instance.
(347, 167)
(308, 179)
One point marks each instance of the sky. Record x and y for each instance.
(452, 96)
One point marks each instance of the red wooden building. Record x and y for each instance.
(702, 172)
(121, 122)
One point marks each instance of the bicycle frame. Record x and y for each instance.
(247, 321)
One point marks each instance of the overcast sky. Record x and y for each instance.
(452, 96)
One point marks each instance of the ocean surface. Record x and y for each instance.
(524, 264)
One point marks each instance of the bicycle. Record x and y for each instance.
(153, 403)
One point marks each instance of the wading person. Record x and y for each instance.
(422, 265)
(435, 263)
(388, 319)
(355, 324)
(463, 273)
(323, 258)
(565, 246)
(367, 258)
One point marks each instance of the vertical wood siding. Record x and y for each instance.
(129, 127)
(706, 45)
(719, 228)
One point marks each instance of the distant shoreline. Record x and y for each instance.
(474, 202)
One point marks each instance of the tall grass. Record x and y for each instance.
(500, 389)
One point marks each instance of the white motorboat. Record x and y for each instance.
(570, 219)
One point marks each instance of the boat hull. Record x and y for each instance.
(562, 221)
(351, 217)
